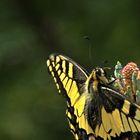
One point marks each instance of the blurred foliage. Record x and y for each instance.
(30, 107)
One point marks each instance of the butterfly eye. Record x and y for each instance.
(98, 72)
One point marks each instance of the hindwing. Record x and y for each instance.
(119, 118)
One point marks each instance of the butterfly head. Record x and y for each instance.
(99, 75)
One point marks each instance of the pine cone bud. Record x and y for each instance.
(128, 82)
(128, 70)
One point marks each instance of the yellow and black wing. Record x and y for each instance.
(70, 78)
(100, 115)
(114, 117)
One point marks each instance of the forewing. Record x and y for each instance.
(70, 79)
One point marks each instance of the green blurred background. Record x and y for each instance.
(30, 108)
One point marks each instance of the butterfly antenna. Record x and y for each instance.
(89, 48)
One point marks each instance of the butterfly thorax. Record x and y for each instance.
(96, 79)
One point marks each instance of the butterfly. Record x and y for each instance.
(95, 111)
